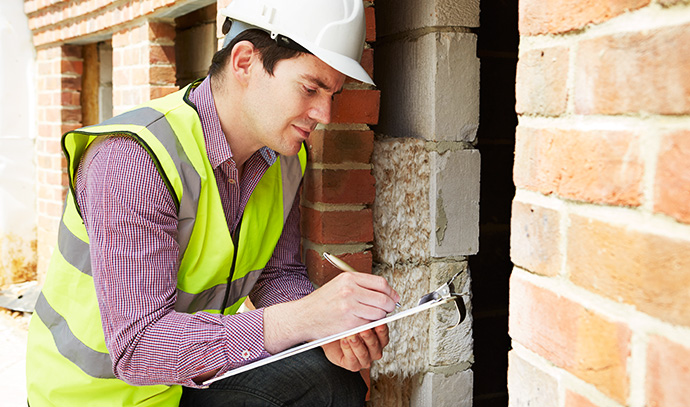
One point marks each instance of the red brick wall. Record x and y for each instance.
(339, 187)
(600, 236)
(59, 110)
(143, 64)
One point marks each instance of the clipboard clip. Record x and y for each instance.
(447, 292)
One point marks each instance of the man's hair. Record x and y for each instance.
(269, 51)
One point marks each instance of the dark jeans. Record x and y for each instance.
(306, 379)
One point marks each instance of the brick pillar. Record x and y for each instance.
(600, 235)
(59, 111)
(143, 64)
(339, 186)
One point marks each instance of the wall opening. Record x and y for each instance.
(195, 44)
(497, 49)
(97, 83)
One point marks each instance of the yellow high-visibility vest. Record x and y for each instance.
(67, 360)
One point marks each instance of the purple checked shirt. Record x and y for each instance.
(132, 226)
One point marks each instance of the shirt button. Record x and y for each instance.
(231, 181)
(246, 355)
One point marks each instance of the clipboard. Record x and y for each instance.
(323, 341)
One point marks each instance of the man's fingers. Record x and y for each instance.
(350, 361)
(376, 283)
(360, 350)
(382, 334)
(373, 344)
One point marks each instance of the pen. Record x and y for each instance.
(343, 266)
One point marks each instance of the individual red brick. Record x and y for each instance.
(162, 75)
(72, 66)
(535, 238)
(573, 399)
(321, 271)
(70, 51)
(121, 78)
(558, 16)
(46, 100)
(50, 193)
(340, 186)
(71, 115)
(160, 31)
(46, 68)
(120, 39)
(672, 183)
(634, 72)
(602, 166)
(668, 373)
(541, 81)
(70, 98)
(638, 267)
(71, 83)
(50, 208)
(337, 227)
(356, 106)
(341, 146)
(575, 338)
(162, 54)
(49, 225)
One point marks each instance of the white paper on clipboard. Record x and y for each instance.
(315, 344)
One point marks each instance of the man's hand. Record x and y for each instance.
(356, 352)
(347, 301)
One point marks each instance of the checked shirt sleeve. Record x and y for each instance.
(132, 226)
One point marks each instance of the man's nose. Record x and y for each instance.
(321, 109)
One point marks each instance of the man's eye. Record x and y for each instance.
(309, 90)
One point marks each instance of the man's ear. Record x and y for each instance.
(242, 57)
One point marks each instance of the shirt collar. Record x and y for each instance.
(217, 148)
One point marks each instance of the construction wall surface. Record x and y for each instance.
(426, 211)
(600, 293)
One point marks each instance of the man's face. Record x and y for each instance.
(283, 109)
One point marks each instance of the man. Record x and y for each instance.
(181, 208)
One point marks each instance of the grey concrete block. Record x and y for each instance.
(454, 207)
(429, 87)
(450, 347)
(396, 16)
(444, 390)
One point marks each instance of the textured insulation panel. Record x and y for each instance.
(402, 224)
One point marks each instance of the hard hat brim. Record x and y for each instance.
(345, 65)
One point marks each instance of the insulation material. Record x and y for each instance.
(408, 350)
(402, 223)
(392, 391)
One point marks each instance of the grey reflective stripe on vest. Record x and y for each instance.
(93, 363)
(212, 298)
(191, 181)
(74, 250)
(291, 173)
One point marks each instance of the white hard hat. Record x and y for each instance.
(332, 30)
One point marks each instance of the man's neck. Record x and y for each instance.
(237, 136)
